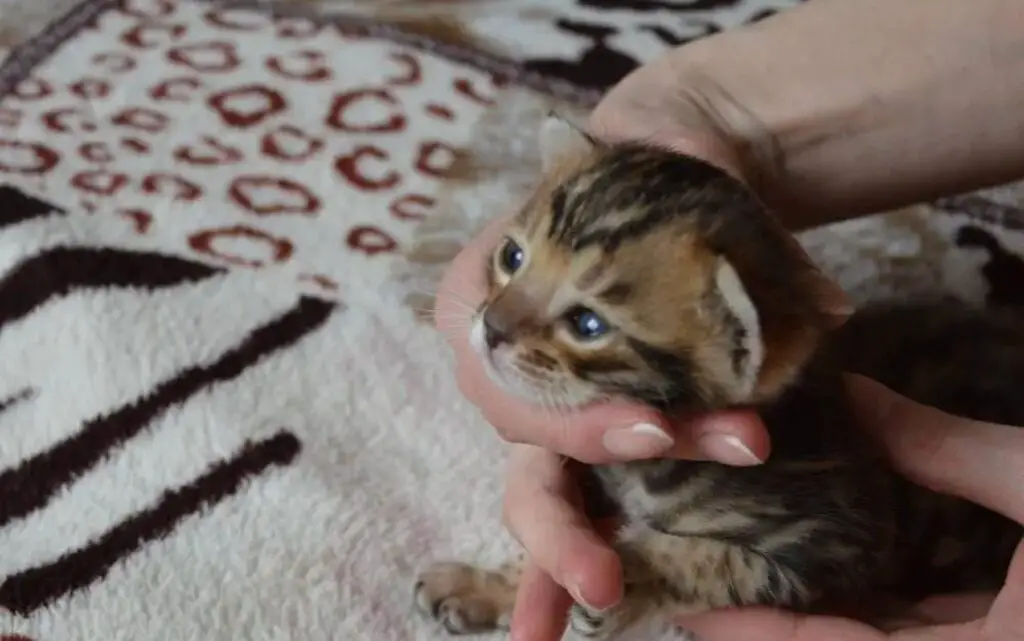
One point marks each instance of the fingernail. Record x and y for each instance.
(577, 596)
(728, 449)
(642, 440)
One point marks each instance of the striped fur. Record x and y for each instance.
(709, 304)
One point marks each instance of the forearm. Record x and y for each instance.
(855, 106)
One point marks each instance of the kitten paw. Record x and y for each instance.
(464, 599)
(592, 624)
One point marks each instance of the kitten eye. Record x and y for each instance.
(586, 324)
(511, 257)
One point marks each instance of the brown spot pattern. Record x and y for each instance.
(354, 168)
(263, 195)
(236, 109)
(275, 250)
(23, 157)
(241, 125)
(370, 240)
(219, 56)
(393, 120)
(306, 65)
(143, 119)
(179, 89)
(411, 206)
(68, 120)
(208, 151)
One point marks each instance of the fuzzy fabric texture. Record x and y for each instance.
(221, 415)
(217, 420)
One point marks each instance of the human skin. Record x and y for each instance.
(830, 110)
(981, 462)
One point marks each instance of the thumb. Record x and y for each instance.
(1006, 618)
(981, 462)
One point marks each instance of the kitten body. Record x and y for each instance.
(636, 272)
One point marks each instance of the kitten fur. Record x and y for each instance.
(708, 303)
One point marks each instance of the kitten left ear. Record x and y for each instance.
(561, 140)
(830, 299)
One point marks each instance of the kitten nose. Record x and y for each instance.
(493, 336)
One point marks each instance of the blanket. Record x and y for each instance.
(222, 414)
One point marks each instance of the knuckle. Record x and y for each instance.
(505, 432)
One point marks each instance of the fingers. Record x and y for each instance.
(957, 608)
(463, 286)
(734, 438)
(1006, 617)
(617, 432)
(540, 609)
(776, 625)
(542, 513)
(981, 462)
(612, 432)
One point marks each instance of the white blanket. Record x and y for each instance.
(219, 416)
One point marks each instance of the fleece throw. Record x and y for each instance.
(221, 413)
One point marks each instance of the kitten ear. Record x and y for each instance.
(829, 298)
(560, 140)
(832, 301)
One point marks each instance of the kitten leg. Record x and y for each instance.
(673, 576)
(645, 593)
(467, 599)
(639, 601)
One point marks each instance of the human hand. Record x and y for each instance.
(579, 560)
(981, 462)
(542, 501)
(673, 105)
(569, 558)
(542, 506)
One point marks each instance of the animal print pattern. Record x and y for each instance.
(202, 358)
(290, 145)
(287, 492)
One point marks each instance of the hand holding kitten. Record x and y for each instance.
(541, 503)
(981, 462)
(599, 434)
(540, 509)
(821, 127)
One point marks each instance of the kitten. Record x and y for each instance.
(640, 273)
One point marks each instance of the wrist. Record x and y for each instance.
(828, 128)
(769, 122)
(633, 112)
(697, 116)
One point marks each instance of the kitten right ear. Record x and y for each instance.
(830, 300)
(562, 141)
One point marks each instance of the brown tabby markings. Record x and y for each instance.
(710, 304)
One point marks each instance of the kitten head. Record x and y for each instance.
(637, 272)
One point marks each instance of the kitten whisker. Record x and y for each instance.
(449, 334)
(458, 304)
(451, 320)
(446, 293)
(455, 316)
(463, 278)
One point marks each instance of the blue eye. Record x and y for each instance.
(511, 257)
(586, 324)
